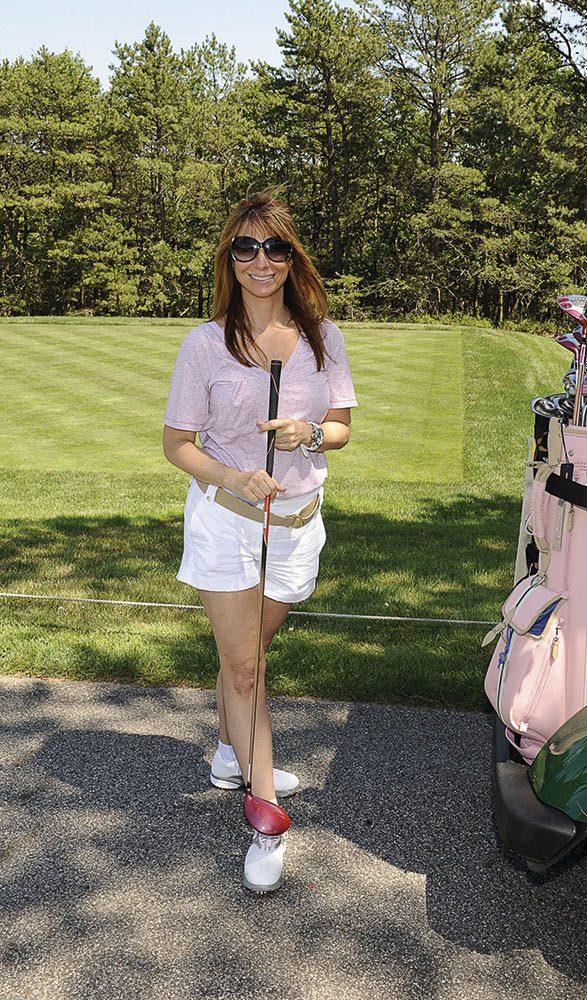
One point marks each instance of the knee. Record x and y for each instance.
(240, 673)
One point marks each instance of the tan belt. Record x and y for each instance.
(228, 500)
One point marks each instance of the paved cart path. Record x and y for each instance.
(121, 866)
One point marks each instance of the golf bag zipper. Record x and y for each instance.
(555, 643)
(502, 664)
(550, 655)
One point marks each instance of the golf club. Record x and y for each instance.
(261, 814)
(569, 341)
(547, 406)
(567, 404)
(574, 305)
(580, 377)
(570, 382)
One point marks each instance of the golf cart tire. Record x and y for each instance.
(540, 834)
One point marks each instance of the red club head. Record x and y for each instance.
(575, 306)
(265, 816)
(570, 342)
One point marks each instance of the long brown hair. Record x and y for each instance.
(303, 290)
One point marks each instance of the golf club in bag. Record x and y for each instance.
(261, 814)
(537, 677)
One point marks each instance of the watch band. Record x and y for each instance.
(317, 438)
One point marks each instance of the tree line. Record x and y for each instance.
(432, 152)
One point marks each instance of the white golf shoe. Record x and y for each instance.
(264, 863)
(229, 775)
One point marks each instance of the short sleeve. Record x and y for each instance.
(188, 400)
(340, 382)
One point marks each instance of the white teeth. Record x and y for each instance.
(265, 277)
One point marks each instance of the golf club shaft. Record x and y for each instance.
(273, 404)
(579, 386)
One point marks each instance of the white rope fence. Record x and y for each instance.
(199, 607)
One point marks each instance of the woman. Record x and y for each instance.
(269, 304)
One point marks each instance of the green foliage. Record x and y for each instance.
(344, 294)
(432, 155)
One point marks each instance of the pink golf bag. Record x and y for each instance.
(537, 677)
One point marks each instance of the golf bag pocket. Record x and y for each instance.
(523, 606)
(525, 681)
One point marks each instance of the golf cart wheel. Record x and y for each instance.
(535, 868)
(540, 834)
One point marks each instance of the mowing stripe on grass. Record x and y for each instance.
(409, 423)
(96, 396)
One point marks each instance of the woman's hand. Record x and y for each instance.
(254, 485)
(290, 434)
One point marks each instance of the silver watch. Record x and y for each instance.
(317, 438)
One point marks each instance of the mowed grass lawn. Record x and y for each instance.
(421, 510)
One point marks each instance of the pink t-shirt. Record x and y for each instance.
(212, 393)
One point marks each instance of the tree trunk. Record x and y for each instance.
(434, 135)
(333, 185)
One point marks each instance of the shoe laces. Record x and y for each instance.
(266, 842)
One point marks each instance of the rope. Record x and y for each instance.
(199, 607)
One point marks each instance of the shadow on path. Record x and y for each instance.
(121, 866)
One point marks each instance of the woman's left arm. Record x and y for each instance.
(337, 429)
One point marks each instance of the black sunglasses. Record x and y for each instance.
(245, 248)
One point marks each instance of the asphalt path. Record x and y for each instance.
(121, 866)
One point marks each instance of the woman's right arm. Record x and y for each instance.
(180, 449)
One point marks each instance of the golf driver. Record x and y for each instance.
(574, 305)
(262, 815)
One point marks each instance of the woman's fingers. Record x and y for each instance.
(261, 484)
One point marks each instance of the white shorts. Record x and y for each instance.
(222, 549)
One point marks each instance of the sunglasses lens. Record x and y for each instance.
(244, 248)
(278, 250)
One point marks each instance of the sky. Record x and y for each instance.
(91, 27)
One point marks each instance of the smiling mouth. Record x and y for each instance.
(264, 277)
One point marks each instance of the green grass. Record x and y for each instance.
(421, 509)
(96, 394)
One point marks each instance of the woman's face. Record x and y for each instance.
(261, 277)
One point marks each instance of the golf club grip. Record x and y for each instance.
(273, 404)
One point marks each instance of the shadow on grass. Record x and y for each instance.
(452, 559)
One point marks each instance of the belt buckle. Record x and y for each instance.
(297, 521)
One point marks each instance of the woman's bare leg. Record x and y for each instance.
(234, 619)
(274, 614)
(222, 727)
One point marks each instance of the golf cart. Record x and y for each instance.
(540, 769)
(541, 808)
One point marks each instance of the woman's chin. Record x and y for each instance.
(263, 291)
